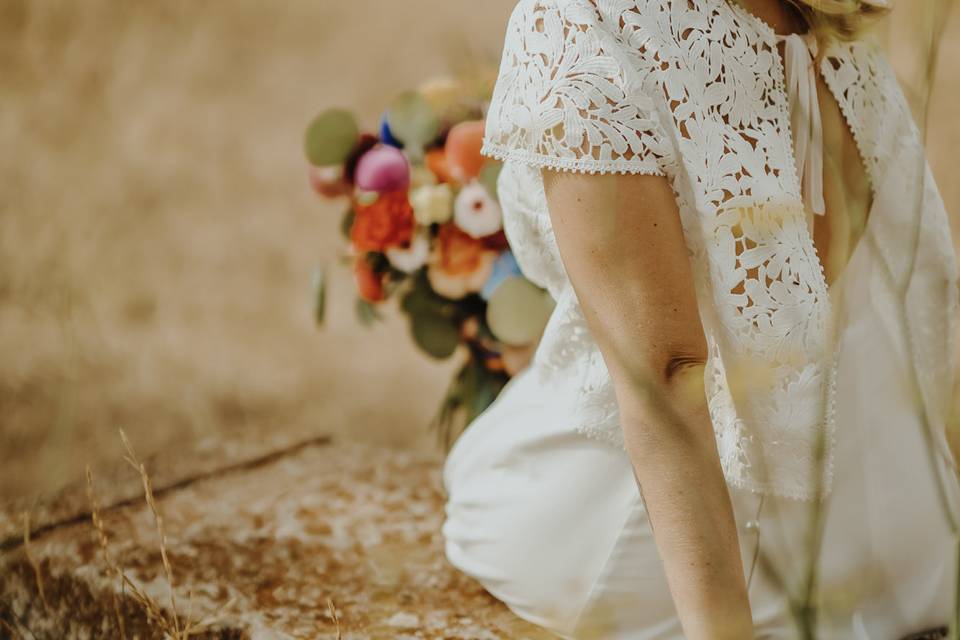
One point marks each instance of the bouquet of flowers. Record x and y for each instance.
(424, 225)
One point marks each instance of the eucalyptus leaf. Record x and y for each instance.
(436, 335)
(330, 137)
(481, 386)
(518, 310)
(417, 301)
(412, 120)
(488, 177)
(421, 298)
(485, 391)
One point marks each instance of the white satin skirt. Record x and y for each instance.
(552, 523)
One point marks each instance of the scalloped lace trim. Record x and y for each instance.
(582, 165)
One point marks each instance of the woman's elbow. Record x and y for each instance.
(684, 380)
(666, 399)
(667, 372)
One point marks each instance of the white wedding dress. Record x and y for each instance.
(553, 523)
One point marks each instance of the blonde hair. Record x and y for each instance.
(841, 19)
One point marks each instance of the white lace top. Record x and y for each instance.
(695, 90)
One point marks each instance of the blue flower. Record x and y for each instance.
(386, 135)
(505, 266)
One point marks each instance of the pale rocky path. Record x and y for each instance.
(277, 537)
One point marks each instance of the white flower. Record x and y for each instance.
(431, 203)
(476, 212)
(420, 176)
(413, 257)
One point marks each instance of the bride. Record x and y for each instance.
(734, 424)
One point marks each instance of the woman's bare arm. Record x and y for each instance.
(622, 245)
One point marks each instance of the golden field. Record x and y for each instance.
(157, 234)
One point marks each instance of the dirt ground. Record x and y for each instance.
(157, 235)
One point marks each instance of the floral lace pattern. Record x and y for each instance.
(565, 99)
(693, 90)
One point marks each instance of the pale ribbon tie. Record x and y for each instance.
(801, 80)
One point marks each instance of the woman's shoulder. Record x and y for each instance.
(579, 88)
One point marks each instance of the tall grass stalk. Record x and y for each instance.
(169, 623)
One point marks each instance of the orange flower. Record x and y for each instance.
(387, 222)
(459, 263)
(436, 161)
(464, 161)
(460, 254)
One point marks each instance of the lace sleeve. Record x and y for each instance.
(569, 96)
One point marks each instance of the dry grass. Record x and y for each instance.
(167, 620)
(133, 461)
(37, 573)
(332, 610)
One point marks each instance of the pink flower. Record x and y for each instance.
(382, 169)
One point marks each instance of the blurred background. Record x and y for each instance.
(158, 235)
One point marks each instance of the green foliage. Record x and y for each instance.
(488, 177)
(319, 294)
(434, 320)
(367, 312)
(421, 298)
(330, 137)
(413, 121)
(482, 387)
(518, 310)
(437, 335)
(472, 390)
